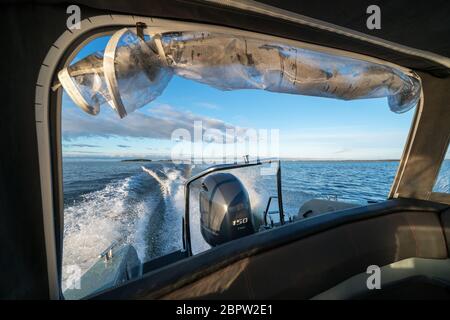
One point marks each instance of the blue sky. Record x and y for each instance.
(309, 127)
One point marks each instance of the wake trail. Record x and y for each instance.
(163, 183)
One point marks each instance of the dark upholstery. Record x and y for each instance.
(311, 265)
(415, 288)
(300, 259)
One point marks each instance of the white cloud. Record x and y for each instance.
(158, 123)
(208, 105)
(80, 145)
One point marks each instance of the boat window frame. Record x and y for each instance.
(48, 108)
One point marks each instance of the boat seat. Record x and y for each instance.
(309, 266)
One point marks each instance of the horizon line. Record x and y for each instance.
(162, 158)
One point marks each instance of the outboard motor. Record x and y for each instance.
(225, 212)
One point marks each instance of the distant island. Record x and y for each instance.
(136, 160)
(282, 159)
(148, 160)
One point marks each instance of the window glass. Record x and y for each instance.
(124, 179)
(443, 180)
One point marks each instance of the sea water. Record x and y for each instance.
(142, 203)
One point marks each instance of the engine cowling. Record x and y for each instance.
(225, 210)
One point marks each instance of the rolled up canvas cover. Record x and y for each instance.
(132, 72)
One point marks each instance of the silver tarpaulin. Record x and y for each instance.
(132, 72)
